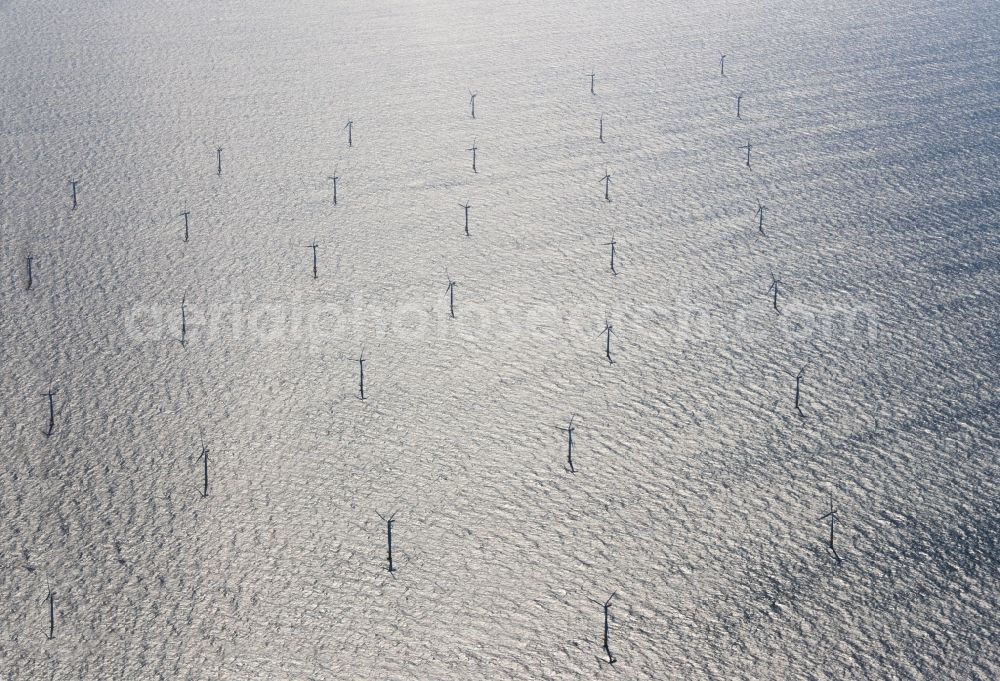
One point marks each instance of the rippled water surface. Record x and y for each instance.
(698, 488)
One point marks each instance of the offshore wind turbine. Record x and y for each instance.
(451, 296)
(203, 457)
(50, 598)
(774, 287)
(831, 514)
(614, 250)
(466, 206)
(388, 536)
(361, 367)
(333, 178)
(798, 391)
(52, 413)
(606, 605)
(607, 186)
(183, 322)
(314, 246)
(609, 330)
(473, 149)
(569, 433)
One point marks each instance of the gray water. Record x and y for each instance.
(698, 489)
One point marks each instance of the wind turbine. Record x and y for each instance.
(451, 296)
(183, 322)
(466, 206)
(333, 178)
(51, 599)
(774, 287)
(203, 457)
(609, 330)
(569, 432)
(831, 514)
(361, 367)
(607, 186)
(613, 244)
(473, 150)
(798, 391)
(52, 413)
(314, 246)
(388, 531)
(607, 621)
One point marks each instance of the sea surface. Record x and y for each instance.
(699, 489)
